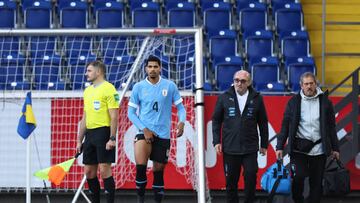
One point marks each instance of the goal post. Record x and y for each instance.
(181, 49)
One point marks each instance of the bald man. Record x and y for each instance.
(237, 115)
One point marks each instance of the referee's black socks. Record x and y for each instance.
(94, 187)
(109, 186)
(158, 186)
(141, 180)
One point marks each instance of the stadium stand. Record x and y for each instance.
(245, 30)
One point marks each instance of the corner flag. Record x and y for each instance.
(55, 174)
(27, 122)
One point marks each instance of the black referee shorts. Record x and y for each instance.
(94, 147)
(160, 148)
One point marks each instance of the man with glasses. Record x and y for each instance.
(238, 114)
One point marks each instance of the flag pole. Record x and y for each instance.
(28, 170)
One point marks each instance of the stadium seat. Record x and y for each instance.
(77, 71)
(296, 45)
(38, 15)
(7, 14)
(110, 15)
(137, 3)
(102, 3)
(185, 74)
(65, 3)
(241, 4)
(266, 75)
(224, 44)
(47, 73)
(288, 19)
(42, 46)
(217, 17)
(295, 70)
(10, 48)
(225, 70)
(146, 16)
(183, 15)
(259, 45)
(113, 46)
(253, 18)
(278, 4)
(12, 73)
(205, 4)
(74, 15)
(181, 46)
(77, 46)
(170, 4)
(117, 68)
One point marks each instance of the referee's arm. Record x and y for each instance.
(81, 134)
(114, 121)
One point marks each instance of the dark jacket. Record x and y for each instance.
(239, 131)
(291, 121)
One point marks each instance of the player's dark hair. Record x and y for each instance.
(153, 58)
(98, 64)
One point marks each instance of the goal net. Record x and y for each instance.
(52, 66)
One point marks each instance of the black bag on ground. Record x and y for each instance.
(336, 181)
(304, 145)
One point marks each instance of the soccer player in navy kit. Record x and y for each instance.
(153, 97)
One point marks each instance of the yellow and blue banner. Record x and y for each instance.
(27, 122)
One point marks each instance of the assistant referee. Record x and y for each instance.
(99, 126)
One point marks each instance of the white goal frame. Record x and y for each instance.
(198, 89)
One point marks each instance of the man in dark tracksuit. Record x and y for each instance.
(309, 116)
(238, 113)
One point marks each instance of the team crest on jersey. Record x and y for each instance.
(164, 92)
(96, 105)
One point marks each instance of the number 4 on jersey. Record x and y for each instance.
(156, 107)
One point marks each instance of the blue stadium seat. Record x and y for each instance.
(217, 17)
(225, 70)
(278, 4)
(10, 48)
(183, 15)
(74, 15)
(38, 15)
(42, 46)
(77, 70)
(253, 18)
(113, 46)
(65, 3)
(47, 73)
(110, 15)
(295, 70)
(30, 3)
(170, 4)
(12, 73)
(7, 14)
(288, 19)
(205, 4)
(259, 45)
(77, 46)
(117, 68)
(184, 48)
(307, 60)
(296, 45)
(146, 16)
(266, 75)
(241, 4)
(224, 44)
(185, 73)
(137, 3)
(101, 3)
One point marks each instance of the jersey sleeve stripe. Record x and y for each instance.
(133, 105)
(178, 101)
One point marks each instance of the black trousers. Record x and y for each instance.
(303, 165)
(232, 169)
